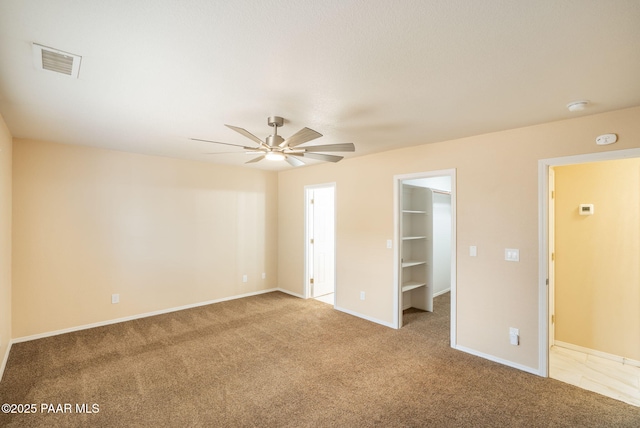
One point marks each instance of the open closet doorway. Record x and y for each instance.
(425, 241)
(320, 242)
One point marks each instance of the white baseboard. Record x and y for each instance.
(346, 311)
(498, 360)
(291, 293)
(138, 316)
(5, 359)
(441, 292)
(612, 357)
(364, 317)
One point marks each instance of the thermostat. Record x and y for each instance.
(586, 209)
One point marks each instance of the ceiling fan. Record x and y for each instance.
(277, 148)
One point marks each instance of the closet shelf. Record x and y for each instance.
(410, 285)
(416, 231)
(410, 263)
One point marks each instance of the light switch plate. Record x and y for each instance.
(473, 251)
(514, 336)
(512, 254)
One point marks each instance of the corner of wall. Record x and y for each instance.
(6, 183)
(4, 360)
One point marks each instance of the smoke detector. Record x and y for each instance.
(577, 105)
(55, 60)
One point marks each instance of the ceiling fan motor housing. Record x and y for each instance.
(274, 140)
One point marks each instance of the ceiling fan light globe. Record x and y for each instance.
(274, 156)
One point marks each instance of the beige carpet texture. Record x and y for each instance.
(274, 360)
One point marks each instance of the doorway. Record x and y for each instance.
(320, 242)
(587, 206)
(425, 243)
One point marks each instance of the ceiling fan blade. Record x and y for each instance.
(343, 147)
(222, 153)
(226, 144)
(254, 160)
(301, 137)
(323, 157)
(293, 161)
(247, 134)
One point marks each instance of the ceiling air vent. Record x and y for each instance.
(56, 60)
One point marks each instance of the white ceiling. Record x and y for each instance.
(381, 74)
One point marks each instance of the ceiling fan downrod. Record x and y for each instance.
(274, 140)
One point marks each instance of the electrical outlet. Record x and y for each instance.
(362, 295)
(115, 298)
(244, 278)
(389, 243)
(473, 251)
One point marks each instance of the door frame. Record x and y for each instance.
(397, 242)
(307, 270)
(551, 247)
(544, 301)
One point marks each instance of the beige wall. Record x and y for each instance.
(598, 257)
(160, 232)
(5, 239)
(89, 223)
(497, 208)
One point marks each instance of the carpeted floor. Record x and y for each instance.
(278, 361)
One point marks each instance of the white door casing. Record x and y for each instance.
(551, 257)
(544, 230)
(397, 303)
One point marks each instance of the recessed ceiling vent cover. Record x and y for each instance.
(55, 60)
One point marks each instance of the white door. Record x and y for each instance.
(321, 240)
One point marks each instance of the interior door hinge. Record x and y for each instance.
(553, 194)
(553, 257)
(311, 240)
(311, 281)
(547, 281)
(312, 201)
(553, 319)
